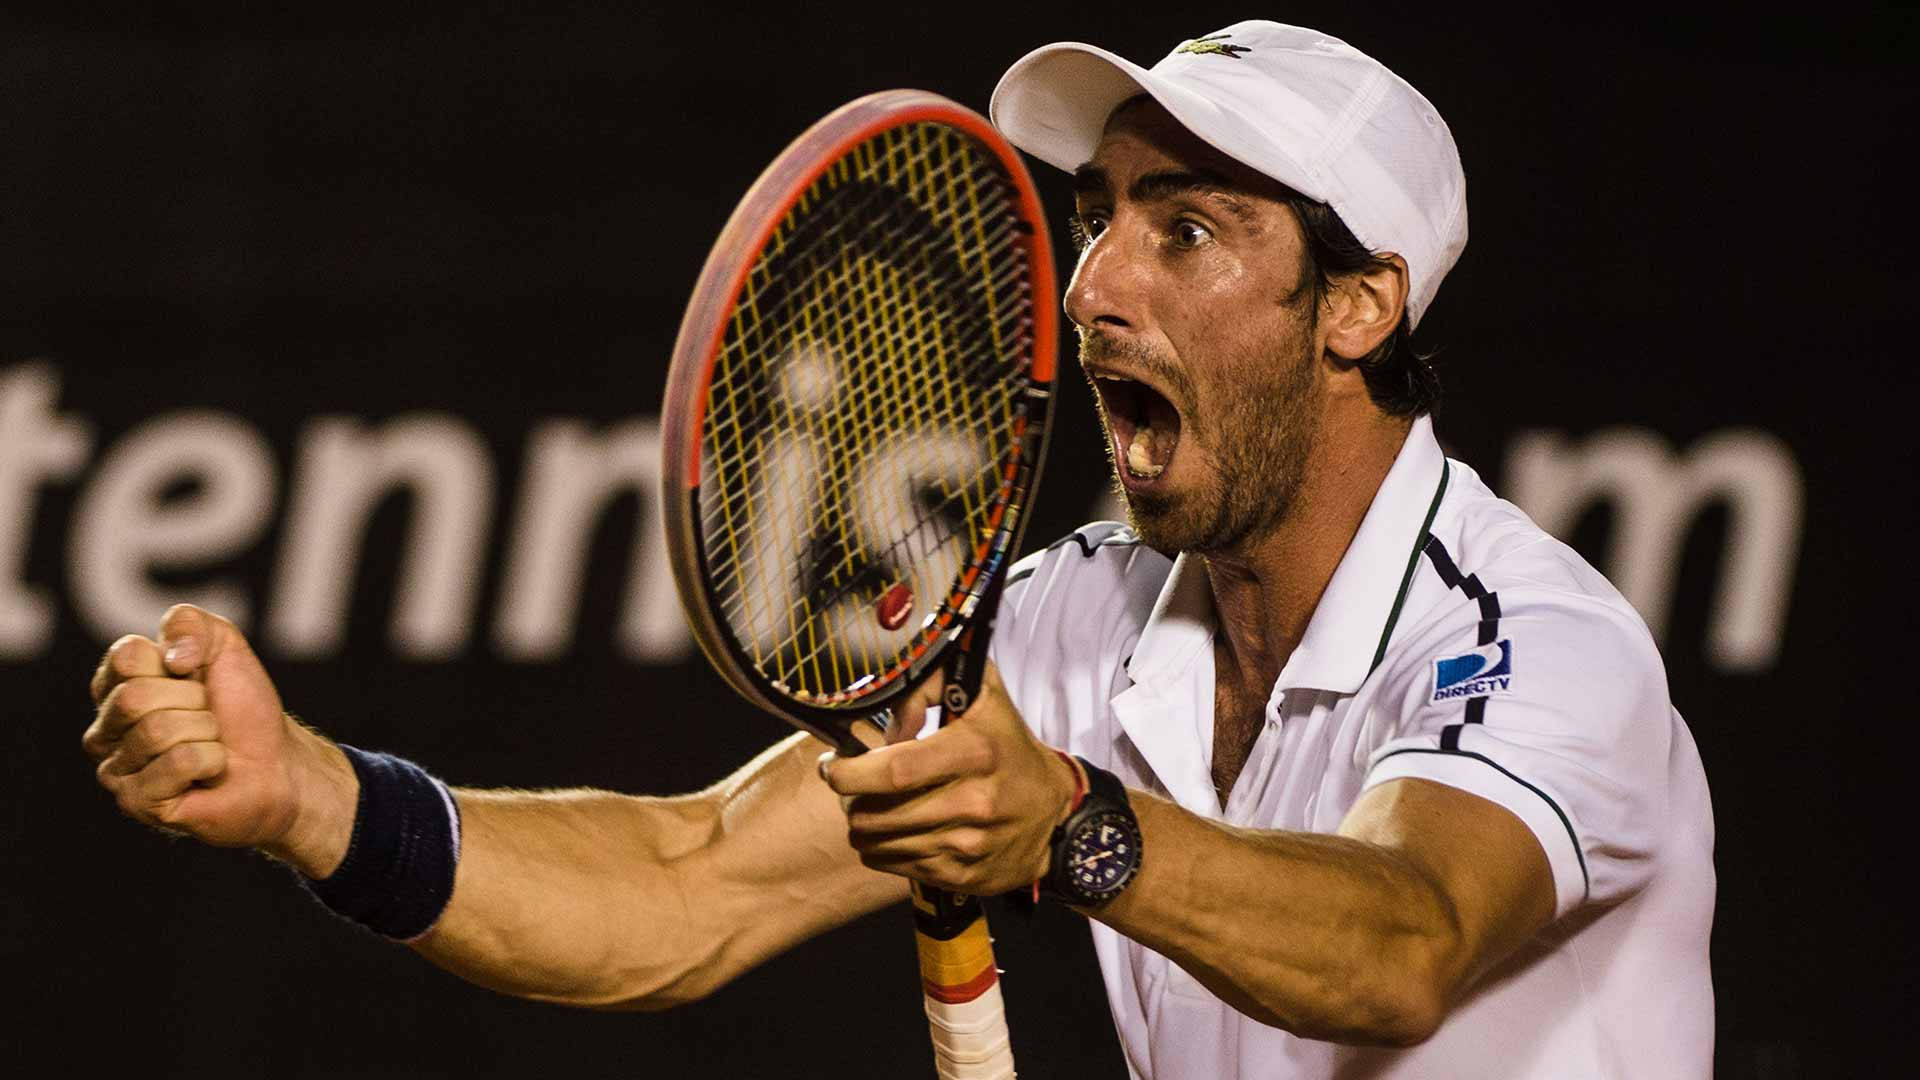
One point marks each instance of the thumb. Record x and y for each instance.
(191, 639)
(992, 707)
(910, 716)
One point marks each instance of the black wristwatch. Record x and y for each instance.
(1096, 851)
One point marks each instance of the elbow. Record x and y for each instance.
(1397, 1001)
(1407, 1017)
(1407, 995)
(1393, 1012)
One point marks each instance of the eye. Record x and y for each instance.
(1086, 227)
(1190, 234)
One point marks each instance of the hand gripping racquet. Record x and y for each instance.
(854, 423)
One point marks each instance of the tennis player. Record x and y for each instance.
(1354, 771)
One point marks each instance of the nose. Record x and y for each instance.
(1106, 291)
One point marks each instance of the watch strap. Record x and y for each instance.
(1078, 767)
(1104, 794)
(1103, 785)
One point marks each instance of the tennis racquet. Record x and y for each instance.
(854, 422)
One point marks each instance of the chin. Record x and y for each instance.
(1171, 524)
(1163, 524)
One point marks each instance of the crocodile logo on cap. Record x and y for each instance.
(1213, 45)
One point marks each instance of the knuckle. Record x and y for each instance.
(128, 801)
(961, 876)
(166, 813)
(171, 766)
(178, 611)
(901, 769)
(979, 804)
(130, 699)
(137, 742)
(199, 759)
(968, 843)
(121, 655)
(983, 755)
(161, 729)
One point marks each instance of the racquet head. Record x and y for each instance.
(857, 408)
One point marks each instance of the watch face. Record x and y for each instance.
(1102, 854)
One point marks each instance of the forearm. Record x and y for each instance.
(1325, 936)
(592, 898)
(571, 896)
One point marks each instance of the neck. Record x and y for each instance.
(1265, 590)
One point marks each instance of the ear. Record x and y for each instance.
(1364, 307)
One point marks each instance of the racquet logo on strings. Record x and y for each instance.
(881, 597)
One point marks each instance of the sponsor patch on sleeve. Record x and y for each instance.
(1484, 671)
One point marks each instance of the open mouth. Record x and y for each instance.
(1145, 427)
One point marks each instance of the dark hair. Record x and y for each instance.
(1400, 379)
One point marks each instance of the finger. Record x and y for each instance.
(961, 845)
(990, 683)
(943, 756)
(128, 702)
(991, 706)
(938, 870)
(910, 716)
(193, 638)
(130, 657)
(967, 802)
(172, 773)
(157, 733)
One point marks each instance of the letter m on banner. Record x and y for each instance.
(1657, 494)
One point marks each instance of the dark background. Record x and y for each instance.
(1680, 225)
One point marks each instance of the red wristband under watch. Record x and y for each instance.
(1079, 796)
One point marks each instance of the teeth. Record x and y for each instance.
(1140, 456)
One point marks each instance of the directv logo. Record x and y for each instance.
(1486, 670)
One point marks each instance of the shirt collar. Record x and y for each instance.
(1356, 613)
(1181, 622)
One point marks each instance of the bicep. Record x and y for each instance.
(1483, 859)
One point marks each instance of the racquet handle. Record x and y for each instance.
(966, 1016)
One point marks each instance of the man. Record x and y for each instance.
(1371, 778)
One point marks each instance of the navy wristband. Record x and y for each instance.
(398, 872)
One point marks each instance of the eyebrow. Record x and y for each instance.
(1165, 184)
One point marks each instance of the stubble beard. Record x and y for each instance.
(1260, 440)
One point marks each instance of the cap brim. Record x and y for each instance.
(1054, 104)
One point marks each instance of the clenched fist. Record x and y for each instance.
(970, 808)
(189, 736)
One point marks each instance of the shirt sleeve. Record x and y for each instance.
(1553, 706)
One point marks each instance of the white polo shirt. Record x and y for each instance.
(1458, 643)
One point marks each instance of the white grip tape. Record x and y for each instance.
(970, 1038)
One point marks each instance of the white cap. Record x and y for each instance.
(1309, 110)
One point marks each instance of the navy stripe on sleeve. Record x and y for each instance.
(1469, 584)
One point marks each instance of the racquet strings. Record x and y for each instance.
(863, 421)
